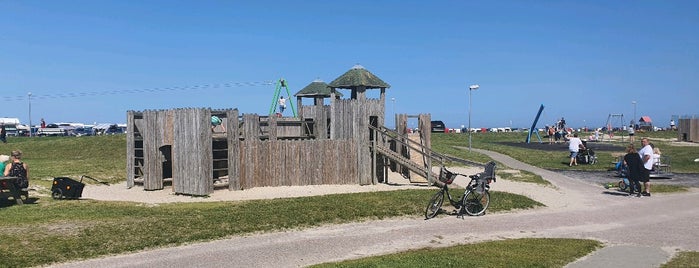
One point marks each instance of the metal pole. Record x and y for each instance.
(634, 114)
(469, 119)
(30, 113)
(393, 108)
(470, 88)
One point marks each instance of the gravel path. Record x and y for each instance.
(576, 208)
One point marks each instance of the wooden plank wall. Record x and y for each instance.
(320, 115)
(251, 162)
(350, 120)
(153, 135)
(306, 162)
(233, 137)
(251, 126)
(130, 149)
(192, 168)
(688, 130)
(402, 129)
(279, 127)
(348, 114)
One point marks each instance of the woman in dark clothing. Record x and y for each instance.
(633, 162)
(3, 134)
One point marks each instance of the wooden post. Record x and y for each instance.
(233, 139)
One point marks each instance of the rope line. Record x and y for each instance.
(133, 91)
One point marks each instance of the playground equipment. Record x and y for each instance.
(611, 119)
(281, 84)
(533, 129)
(178, 146)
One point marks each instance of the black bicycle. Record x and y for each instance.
(476, 198)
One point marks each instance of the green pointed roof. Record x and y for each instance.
(317, 88)
(358, 76)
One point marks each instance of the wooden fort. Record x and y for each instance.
(343, 142)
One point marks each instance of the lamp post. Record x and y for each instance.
(393, 108)
(29, 97)
(470, 88)
(633, 122)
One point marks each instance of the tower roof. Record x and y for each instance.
(317, 88)
(356, 77)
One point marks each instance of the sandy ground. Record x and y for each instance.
(119, 192)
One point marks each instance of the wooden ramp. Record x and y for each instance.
(418, 159)
(414, 161)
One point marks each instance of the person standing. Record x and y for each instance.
(574, 146)
(282, 104)
(632, 160)
(631, 133)
(3, 134)
(551, 132)
(43, 123)
(646, 154)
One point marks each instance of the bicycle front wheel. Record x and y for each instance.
(475, 203)
(434, 205)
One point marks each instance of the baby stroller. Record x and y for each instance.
(586, 156)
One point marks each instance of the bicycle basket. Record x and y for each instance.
(446, 176)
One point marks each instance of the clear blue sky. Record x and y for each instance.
(91, 61)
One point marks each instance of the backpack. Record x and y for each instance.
(18, 170)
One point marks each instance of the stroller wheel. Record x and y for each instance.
(57, 194)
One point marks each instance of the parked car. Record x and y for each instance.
(438, 126)
(113, 129)
(84, 131)
(51, 130)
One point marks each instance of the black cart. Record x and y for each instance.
(66, 188)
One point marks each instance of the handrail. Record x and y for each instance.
(427, 151)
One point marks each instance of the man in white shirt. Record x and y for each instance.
(574, 146)
(646, 154)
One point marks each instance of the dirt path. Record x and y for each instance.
(663, 224)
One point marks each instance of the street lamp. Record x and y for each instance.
(393, 102)
(633, 122)
(29, 97)
(470, 88)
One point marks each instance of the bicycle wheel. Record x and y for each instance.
(475, 203)
(434, 205)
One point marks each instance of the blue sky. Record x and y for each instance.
(91, 61)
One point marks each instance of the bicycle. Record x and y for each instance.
(476, 198)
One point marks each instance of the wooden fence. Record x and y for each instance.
(307, 162)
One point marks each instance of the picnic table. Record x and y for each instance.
(8, 188)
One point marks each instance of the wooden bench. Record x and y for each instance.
(8, 189)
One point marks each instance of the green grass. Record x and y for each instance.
(100, 157)
(682, 157)
(685, 259)
(522, 176)
(525, 252)
(57, 231)
(664, 188)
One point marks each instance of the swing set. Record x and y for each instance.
(611, 119)
(281, 84)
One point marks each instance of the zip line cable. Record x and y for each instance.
(133, 91)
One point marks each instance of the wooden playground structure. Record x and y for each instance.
(344, 142)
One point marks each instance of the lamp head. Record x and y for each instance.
(473, 87)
